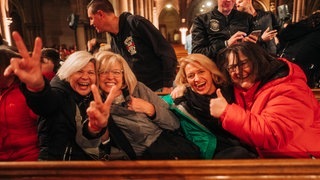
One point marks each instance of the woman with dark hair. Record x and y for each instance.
(274, 110)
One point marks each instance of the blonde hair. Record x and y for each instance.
(105, 62)
(198, 60)
(75, 62)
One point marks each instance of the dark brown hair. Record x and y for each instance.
(103, 5)
(259, 60)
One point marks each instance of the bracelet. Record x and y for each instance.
(106, 141)
(226, 43)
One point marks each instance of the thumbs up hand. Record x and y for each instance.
(218, 105)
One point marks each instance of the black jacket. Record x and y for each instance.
(212, 29)
(300, 43)
(148, 53)
(56, 105)
(262, 21)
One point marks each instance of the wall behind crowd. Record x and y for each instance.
(50, 19)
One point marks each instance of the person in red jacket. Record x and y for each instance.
(275, 111)
(18, 123)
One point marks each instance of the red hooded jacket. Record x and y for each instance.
(281, 119)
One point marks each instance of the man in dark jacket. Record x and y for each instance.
(148, 53)
(220, 28)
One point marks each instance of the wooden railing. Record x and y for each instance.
(180, 50)
(164, 169)
(179, 169)
(316, 93)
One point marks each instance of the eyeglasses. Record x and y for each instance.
(241, 64)
(114, 73)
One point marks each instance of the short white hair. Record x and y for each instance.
(75, 62)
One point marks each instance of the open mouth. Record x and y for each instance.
(84, 85)
(200, 86)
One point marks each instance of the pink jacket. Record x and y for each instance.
(18, 127)
(281, 119)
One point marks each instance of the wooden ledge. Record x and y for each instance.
(316, 93)
(180, 169)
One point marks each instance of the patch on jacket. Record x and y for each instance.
(131, 47)
(214, 25)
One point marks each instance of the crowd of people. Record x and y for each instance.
(232, 97)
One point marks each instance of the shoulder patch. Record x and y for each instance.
(214, 25)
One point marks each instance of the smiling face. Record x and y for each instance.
(82, 80)
(226, 6)
(240, 71)
(111, 77)
(199, 79)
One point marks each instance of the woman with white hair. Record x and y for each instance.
(62, 104)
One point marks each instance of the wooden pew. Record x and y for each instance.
(316, 93)
(180, 50)
(163, 169)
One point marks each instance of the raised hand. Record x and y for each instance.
(237, 37)
(27, 68)
(178, 91)
(98, 112)
(218, 105)
(268, 34)
(251, 38)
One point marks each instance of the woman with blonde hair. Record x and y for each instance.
(144, 118)
(200, 78)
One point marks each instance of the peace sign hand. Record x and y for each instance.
(218, 105)
(98, 112)
(27, 68)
